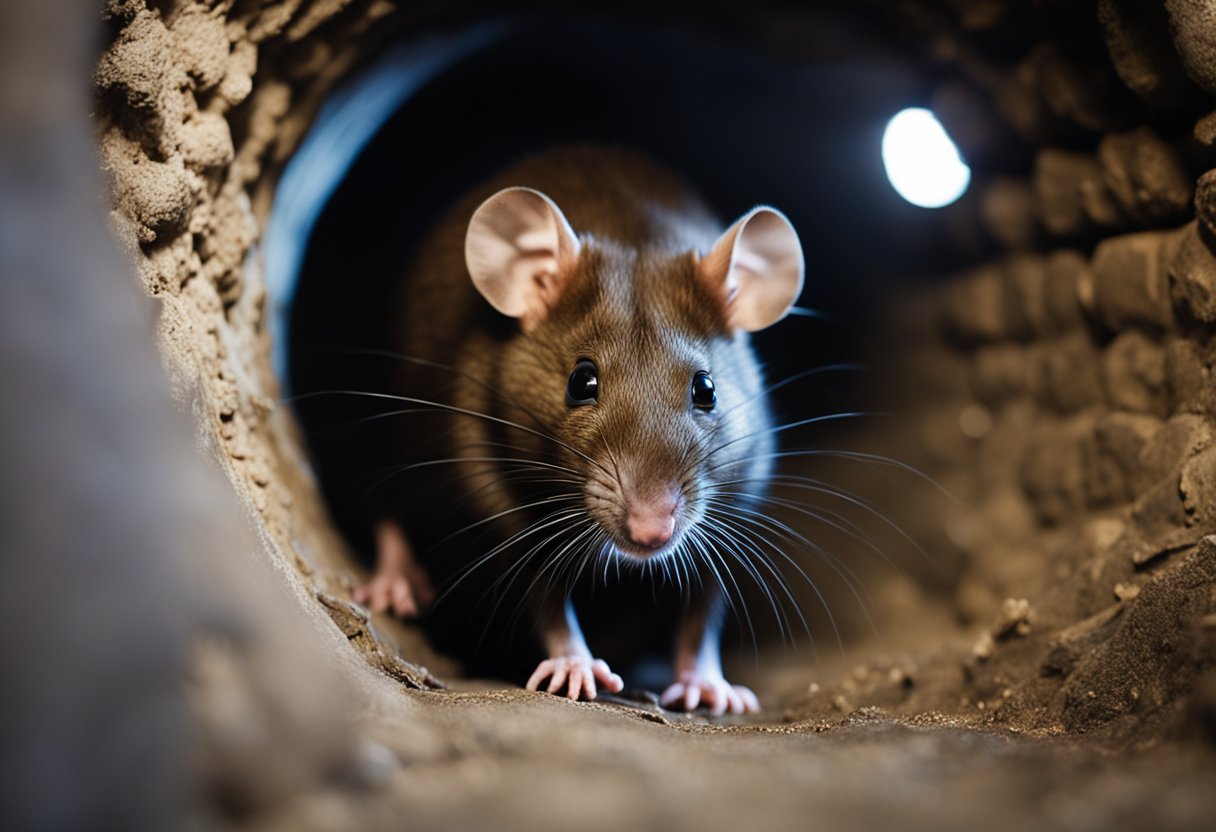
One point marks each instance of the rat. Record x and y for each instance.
(576, 331)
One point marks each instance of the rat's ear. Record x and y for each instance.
(756, 267)
(518, 248)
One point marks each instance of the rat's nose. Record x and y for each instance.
(651, 523)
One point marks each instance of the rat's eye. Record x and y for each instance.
(584, 384)
(703, 395)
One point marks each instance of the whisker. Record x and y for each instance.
(744, 543)
(842, 570)
(520, 465)
(698, 538)
(539, 525)
(796, 377)
(454, 409)
(844, 526)
(566, 498)
(726, 525)
(814, 420)
(517, 569)
(861, 456)
(822, 487)
(425, 362)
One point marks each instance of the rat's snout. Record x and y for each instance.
(651, 521)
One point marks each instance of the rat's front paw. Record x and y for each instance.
(692, 688)
(577, 674)
(400, 583)
(388, 591)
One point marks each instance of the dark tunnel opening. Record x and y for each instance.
(744, 123)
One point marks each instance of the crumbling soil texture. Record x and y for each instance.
(1062, 392)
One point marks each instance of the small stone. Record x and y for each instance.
(1025, 290)
(1205, 130)
(1052, 473)
(1188, 378)
(975, 306)
(1122, 437)
(1069, 372)
(1100, 535)
(1013, 619)
(1192, 275)
(1126, 592)
(1007, 210)
(1099, 204)
(1146, 177)
(1130, 286)
(1180, 438)
(1058, 175)
(982, 650)
(1138, 40)
(1133, 374)
(1193, 23)
(1198, 486)
(1000, 373)
(1065, 270)
(1102, 477)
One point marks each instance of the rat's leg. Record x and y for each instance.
(698, 662)
(570, 664)
(400, 583)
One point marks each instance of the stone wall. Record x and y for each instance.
(1066, 384)
(200, 106)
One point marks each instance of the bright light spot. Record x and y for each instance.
(922, 162)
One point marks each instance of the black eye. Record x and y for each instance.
(703, 395)
(584, 384)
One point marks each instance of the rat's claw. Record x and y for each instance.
(692, 689)
(577, 674)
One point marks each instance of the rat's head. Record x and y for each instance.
(635, 358)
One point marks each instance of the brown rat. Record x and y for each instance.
(578, 331)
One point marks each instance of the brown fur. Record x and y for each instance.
(635, 305)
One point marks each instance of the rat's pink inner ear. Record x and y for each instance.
(757, 268)
(517, 248)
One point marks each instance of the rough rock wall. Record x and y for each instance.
(200, 105)
(1072, 408)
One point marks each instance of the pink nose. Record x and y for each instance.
(651, 523)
